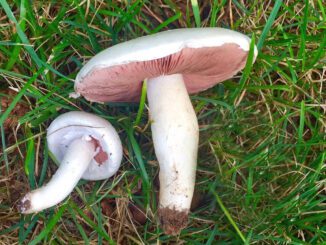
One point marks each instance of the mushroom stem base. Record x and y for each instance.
(172, 221)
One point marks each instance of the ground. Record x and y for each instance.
(261, 162)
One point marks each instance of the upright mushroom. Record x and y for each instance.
(175, 63)
(86, 146)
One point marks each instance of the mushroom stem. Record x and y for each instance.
(175, 136)
(79, 154)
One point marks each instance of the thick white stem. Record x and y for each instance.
(175, 135)
(76, 160)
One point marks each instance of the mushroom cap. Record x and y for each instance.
(204, 56)
(76, 124)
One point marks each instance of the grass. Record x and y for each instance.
(261, 165)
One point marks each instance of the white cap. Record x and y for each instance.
(73, 125)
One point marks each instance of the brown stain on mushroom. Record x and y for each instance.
(101, 156)
(202, 68)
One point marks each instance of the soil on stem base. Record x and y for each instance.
(172, 220)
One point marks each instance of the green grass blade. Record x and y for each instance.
(211, 238)
(321, 6)
(246, 71)
(29, 165)
(16, 49)
(215, 10)
(269, 24)
(141, 103)
(195, 9)
(167, 22)
(228, 216)
(139, 158)
(241, 7)
(100, 223)
(249, 238)
(3, 144)
(301, 128)
(44, 163)
(303, 29)
(249, 187)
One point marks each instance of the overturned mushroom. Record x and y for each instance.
(175, 63)
(86, 146)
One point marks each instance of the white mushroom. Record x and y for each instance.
(86, 146)
(175, 63)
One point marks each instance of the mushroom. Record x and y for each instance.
(86, 146)
(175, 63)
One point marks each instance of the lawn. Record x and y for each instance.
(261, 161)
